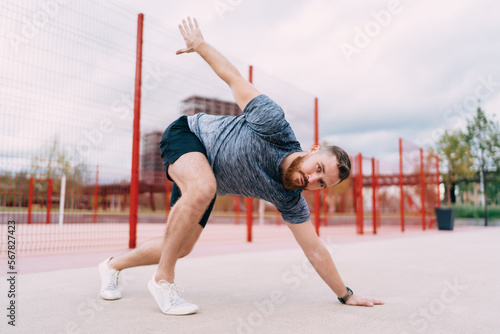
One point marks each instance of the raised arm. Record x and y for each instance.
(320, 258)
(243, 91)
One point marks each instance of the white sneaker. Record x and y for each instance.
(110, 279)
(169, 299)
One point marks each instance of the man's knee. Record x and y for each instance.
(201, 194)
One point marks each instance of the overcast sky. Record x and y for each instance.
(381, 69)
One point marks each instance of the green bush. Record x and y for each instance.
(468, 211)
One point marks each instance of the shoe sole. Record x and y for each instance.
(151, 289)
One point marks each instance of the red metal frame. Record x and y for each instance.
(50, 183)
(358, 184)
(438, 182)
(354, 189)
(30, 199)
(317, 203)
(378, 192)
(134, 182)
(438, 192)
(402, 199)
(249, 201)
(422, 187)
(374, 198)
(50, 191)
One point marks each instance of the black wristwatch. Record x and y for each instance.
(346, 297)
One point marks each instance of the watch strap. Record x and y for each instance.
(348, 295)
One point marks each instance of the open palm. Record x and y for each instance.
(192, 35)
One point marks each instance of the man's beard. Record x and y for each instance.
(294, 167)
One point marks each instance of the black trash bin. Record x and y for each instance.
(445, 218)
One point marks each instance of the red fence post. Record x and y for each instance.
(361, 199)
(402, 199)
(422, 187)
(49, 199)
(134, 182)
(437, 180)
(249, 201)
(378, 193)
(96, 193)
(354, 189)
(359, 195)
(374, 198)
(317, 203)
(30, 199)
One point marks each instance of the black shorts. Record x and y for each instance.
(176, 141)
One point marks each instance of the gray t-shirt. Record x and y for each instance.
(245, 153)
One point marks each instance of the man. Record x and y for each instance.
(254, 154)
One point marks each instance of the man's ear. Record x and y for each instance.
(313, 149)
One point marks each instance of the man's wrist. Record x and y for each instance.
(199, 45)
(346, 297)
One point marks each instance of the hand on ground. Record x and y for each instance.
(362, 301)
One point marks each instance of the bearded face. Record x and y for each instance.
(293, 176)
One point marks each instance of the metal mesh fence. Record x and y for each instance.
(67, 80)
(67, 92)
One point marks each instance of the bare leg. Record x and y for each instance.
(192, 173)
(146, 254)
(150, 252)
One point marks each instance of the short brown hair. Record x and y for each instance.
(344, 163)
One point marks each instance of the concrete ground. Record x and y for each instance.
(431, 282)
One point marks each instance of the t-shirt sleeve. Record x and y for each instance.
(295, 211)
(265, 116)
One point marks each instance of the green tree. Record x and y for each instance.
(52, 161)
(483, 136)
(456, 158)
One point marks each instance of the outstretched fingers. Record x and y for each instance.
(190, 23)
(186, 27)
(183, 32)
(191, 34)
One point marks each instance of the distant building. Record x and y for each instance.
(196, 104)
(151, 164)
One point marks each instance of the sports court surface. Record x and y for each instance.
(431, 281)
